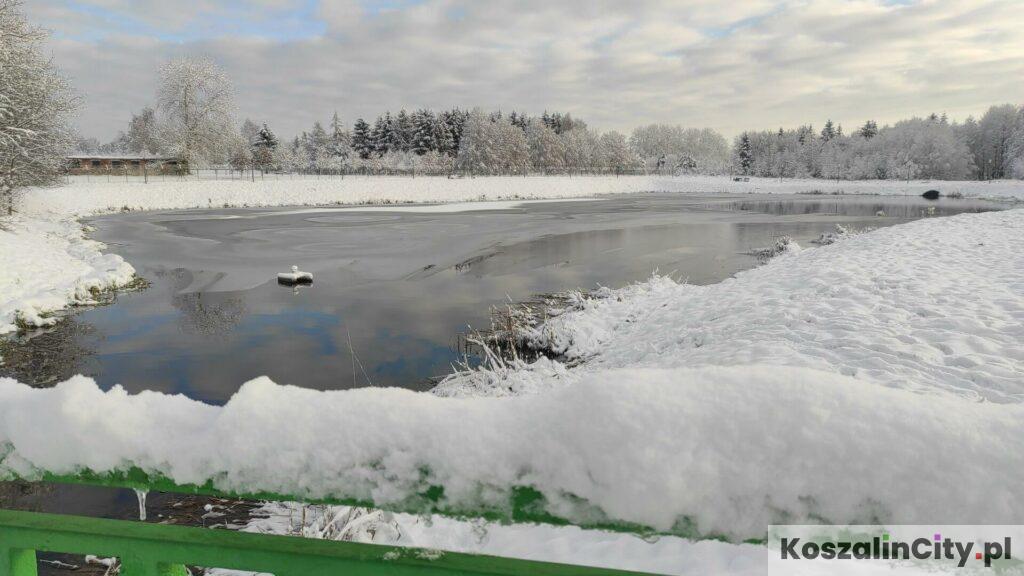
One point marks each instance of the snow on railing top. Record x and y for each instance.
(713, 451)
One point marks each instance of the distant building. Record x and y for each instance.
(81, 163)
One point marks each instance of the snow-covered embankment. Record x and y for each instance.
(47, 264)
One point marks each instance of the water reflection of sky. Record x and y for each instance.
(397, 290)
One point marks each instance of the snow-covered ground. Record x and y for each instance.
(47, 264)
(84, 198)
(876, 379)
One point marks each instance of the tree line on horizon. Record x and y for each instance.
(481, 142)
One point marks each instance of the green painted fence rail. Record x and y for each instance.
(525, 505)
(164, 550)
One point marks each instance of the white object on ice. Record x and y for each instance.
(295, 276)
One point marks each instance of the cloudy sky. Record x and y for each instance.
(728, 65)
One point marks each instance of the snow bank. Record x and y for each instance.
(84, 198)
(46, 265)
(705, 451)
(933, 305)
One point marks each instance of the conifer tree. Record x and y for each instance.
(745, 153)
(828, 132)
(423, 139)
(380, 134)
(362, 140)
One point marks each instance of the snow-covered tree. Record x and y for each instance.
(828, 132)
(678, 149)
(615, 154)
(239, 153)
(492, 146)
(362, 139)
(196, 100)
(476, 153)
(579, 146)
(143, 133)
(444, 139)
(264, 148)
(250, 131)
(35, 105)
(381, 135)
(287, 156)
(317, 147)
(926, 149)
(340, 143)
(869, 129)
(87, 145)
(744, 157)
(995, 130)
(452, 124)
(1015, 149)
(119, 145)
(561, 122)
(512, 149)
(402, 132)
(424, 138)
(546, 148)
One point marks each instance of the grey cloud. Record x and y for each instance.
(756, 64)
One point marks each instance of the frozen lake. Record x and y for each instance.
(395, 286)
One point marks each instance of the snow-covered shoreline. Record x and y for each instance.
(45, 230)
(49, 264)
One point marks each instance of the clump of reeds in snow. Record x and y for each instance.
(780, 245)
(520, 343)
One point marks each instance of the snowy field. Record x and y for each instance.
(82, 198)
(879, 378)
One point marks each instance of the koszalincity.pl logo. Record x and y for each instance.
(884, 548)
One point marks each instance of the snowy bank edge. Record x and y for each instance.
(49, 265)
(84, 199)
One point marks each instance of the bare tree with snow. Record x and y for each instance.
(196, 99)
(546, 148)
(36, 103)
(614, 153)
(1015, 149)
(143, 133)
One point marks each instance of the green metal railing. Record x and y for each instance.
(164, 550)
